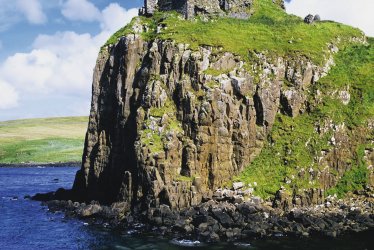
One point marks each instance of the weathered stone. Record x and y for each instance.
(283, 200)
(309, 19)
(191, 8)
(238, 185)
(345, 97)
(222, 217)
(317, 18)
(89, 210)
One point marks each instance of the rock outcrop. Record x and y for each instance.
(163, 130)
(171, 124)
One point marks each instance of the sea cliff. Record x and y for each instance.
(187, 107)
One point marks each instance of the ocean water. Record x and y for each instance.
(26, 224)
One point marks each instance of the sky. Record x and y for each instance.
(48, 48)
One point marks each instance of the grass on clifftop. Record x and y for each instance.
(42, 140)
(270, 30)
(294, 144)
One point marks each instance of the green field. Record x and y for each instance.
(43, 140)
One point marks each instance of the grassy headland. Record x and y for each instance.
(43, 140)
(293, 143)
(270, 31)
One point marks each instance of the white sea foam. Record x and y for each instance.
(243, 245)
(279, 235)
(186, 243)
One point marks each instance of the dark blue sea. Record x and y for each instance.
(26, 224)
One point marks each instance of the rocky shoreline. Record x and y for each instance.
(230, 217)
(33, 165)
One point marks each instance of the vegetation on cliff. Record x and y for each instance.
(294, 144)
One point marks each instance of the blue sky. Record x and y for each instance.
(48, 48)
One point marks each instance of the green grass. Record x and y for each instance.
(355, 69)
(169, 109)
(184, 178)
(128, 29)
(42, 140)
(293, 142)
(215, 72)
(154, 139)
(270, 31)
(292, 146)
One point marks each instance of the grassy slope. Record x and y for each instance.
(294, 143)
(42, 140)
(270, 30)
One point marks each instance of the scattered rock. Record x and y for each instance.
(317, 18)
(89, 210)
(237, 185)
(214, 221)
(309, 19)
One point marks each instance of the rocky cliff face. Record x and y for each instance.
(170, 124)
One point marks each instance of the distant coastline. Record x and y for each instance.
(45, 141)
(32, 164)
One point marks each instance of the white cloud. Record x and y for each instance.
(33, 11)
(8, 96)
(61, 65)
(80, 10)
(12, 12)
(114, 17)
(352, 12)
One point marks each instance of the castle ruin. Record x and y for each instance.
(191, 8)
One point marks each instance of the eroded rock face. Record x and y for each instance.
(163, 130)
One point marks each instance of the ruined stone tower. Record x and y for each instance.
(191, 8)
